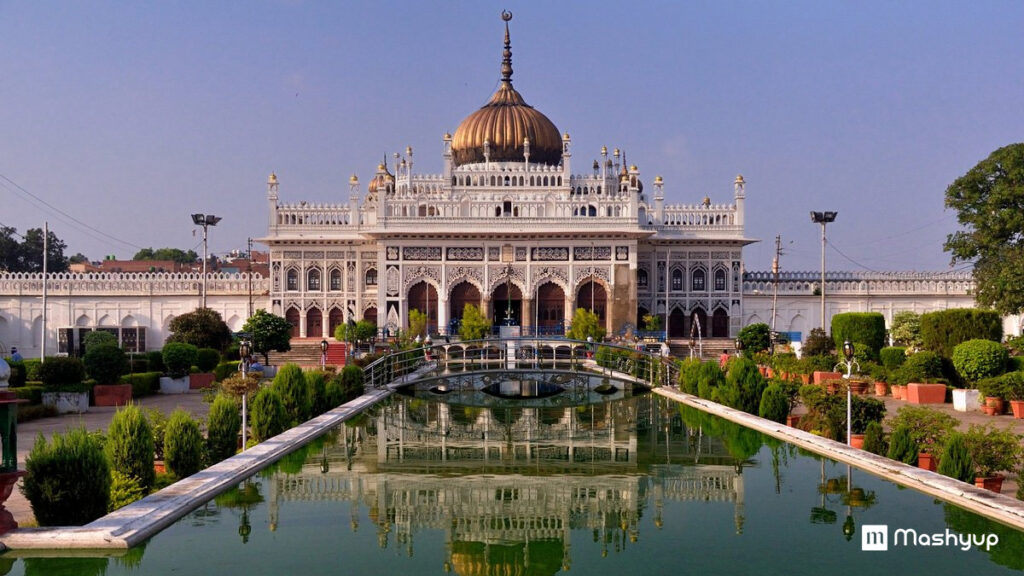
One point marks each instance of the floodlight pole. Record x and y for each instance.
(823, 218)
(205, 220)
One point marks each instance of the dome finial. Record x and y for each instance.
(506, 61)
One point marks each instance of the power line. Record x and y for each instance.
(854, 262)
(66, 215)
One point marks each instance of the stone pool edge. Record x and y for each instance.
(997, 507)
(140, 520)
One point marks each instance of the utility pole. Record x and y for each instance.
(46, 249)
(775, 288)
(250, 276)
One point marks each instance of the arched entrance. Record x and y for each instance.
(292, 316)
(335, 318)
(423, 297)
(699, 318)
(507, 305)
(592, 296)
(550, 306)
(314, 323)
(370, 314)
(640, 313)
(720, 324)
(463, 293)
(677, 324)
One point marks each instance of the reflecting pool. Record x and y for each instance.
(452, 480)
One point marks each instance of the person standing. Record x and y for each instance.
(723, 359)
(15, 356)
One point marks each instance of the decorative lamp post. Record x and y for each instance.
(324, 345)
(427, 343)
(590, 346)
(823, 218)
(849, 361)
(244, 352)
(739, 347)
(205, 220)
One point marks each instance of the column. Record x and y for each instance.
(528, 313)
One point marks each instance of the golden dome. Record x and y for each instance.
(382, 181)
(503, 123)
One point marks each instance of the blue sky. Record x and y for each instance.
(130, 116)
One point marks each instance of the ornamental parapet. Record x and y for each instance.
(861, 283)
(119, 283)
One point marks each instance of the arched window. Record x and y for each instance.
(313, 280)
(335, 279)
(697, 283)
(371, 277)
(292, 280)
(719, 280)
(641, 278)
(677, 279)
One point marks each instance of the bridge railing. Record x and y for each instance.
(502, 354)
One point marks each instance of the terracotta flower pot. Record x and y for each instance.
(897, 391)
(792, 420)
(927, 461)
(858, 387)
(805, 379)
(857, 441)
(995, 403)
(881, 388)
(1018, 408)
(992, 483)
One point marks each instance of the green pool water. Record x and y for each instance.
(620, 484)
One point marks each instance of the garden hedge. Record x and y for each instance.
(941, 331)
(866, 328)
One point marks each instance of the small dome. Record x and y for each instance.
(382, 180)
(503, 124)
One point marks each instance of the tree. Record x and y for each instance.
(474, 324)
(585, 323)
(269, 332)
(175, 254)
(203, 328)
(755, 338)
(989, 200)
(355, 331)
(417, 323)
(906, 329)
(27, 255)
(79, 258)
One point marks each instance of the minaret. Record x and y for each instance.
(353, 200)
(272, 198)
(448, 163)
(566, 158)
(739, 187)
(659, 200)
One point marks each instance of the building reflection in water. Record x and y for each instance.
(508, 484)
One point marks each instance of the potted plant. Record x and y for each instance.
(928, 430)
(921, 373)
(178, 361)
(992, 390)
(992, 450)
(1013, 387)
(65, 386)
(880, 376)
(106, 363)
(864, 411)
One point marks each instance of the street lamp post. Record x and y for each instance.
(244, 352)
(823, 218)
(849, 362)
(205, 220)
(324, 345)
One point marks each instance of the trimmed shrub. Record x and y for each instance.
(334, 394)
(689, 370)
(863, 411)
(269, 417)
(124, 490)
(18, 374)
(158, 424)
(225, 370)
(874, 439)
(290, 383)
(978, 359)
(105, 363)
(774, 404)
(179, 358)
(143, 384)
(34, 394)
(67, 480)
(129, 445)
(156, 361)
(892, 357)
(817, 343)
(137, 363)
(35, 412)
(928, 428)
(755, 338)
(207, 359)
(223, 425)
(316, 384)
(709, 378)
(923, 366)
(941, 331)
(955, 461)
(743, 386)
(183, 444)
(59, 373)
(866, 328)
(32, 366)
(352, 382)
(902, 447)
(99, 338)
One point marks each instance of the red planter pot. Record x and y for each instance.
(857, 441)
(991, 483)
(201, 380)
(792, 420)
(927, 461)
(112, 394)
(1018, 408)
(881, 388)
(918, 393)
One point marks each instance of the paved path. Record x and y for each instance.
(97, 418)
